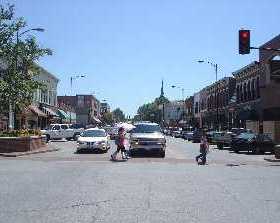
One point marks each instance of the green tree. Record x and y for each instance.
(149, 112)
(118, 115)
(18, 57)
(108, 118)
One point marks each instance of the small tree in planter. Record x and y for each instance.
(18, 59)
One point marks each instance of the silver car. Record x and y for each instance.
(147, 137)
(93, 139)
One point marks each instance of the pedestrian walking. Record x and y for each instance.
(204, 148)
(120, 142)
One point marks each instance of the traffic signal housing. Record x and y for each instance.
(244, 41)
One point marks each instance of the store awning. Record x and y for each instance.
(50, 111)
(63, 114)
(37, 111)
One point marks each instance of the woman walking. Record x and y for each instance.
(120, 142)
(204, 148)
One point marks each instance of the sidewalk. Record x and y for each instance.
(45, 149)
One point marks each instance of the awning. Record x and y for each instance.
(50, 111)
(63, 114)
(37, 111)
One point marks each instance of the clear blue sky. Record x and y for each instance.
(126, 47)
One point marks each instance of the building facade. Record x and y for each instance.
(174, 112)
(189, 111)
(86, 107)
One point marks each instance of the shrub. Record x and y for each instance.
(20, 133)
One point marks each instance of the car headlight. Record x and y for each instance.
(134, 141)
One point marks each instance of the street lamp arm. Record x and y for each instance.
(34, 29)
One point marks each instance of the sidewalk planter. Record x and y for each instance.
(21, 144)
(277, 151)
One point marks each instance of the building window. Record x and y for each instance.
(244, 92)
(249, 90)
(258, 87)
(196, 108)
(253, 89)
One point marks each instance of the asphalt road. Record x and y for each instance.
(66, 187)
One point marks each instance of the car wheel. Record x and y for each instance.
(162, 154)
(48, 138)
(68, 139)
(75, 137)
(257, 150)
(220, 146)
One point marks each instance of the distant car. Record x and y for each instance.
(93, 139)
(188, 136)
(177, 133)
(147, 137)
(210, 135)
(113, 133)
(60, 131)
(255, 143)
(223, 139)
(197, 134)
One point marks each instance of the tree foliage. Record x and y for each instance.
(18, 57)
(118, 115)
(107, 118)
(149, 112)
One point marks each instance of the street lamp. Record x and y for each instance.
(182, 89)
(183, 97)
(215, 65)
(18, 35)
(74, 78)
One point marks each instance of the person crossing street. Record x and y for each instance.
(120, 142)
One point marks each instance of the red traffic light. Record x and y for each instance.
(244, 41)
(245, 34)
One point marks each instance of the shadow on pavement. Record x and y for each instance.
(90, 152)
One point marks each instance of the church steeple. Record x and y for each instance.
(161, 92)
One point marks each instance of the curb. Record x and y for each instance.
(16, 154)
(272, 160)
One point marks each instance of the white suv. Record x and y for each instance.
(59, 131)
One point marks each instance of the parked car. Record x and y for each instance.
(188, 136)
(255, 143)
(177, 133)
(60, 131)
(223, 139)
(93, 139)
(210, 135)
(147, 137)
(197, 134)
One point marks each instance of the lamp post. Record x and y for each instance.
(183, 101)
(11, 107)
(74, 77)
(215, 65)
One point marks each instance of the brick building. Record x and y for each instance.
(86, 107)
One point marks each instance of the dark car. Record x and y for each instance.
(197, 134)
(210, 135)
(255, 143)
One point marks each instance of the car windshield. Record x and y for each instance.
(146, 129)
(246, 136)
(93, 133)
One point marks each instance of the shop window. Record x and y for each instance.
(244, 92)
(258, 87)
(253, 89)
